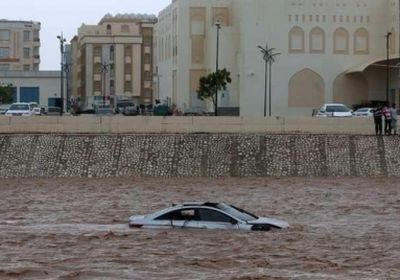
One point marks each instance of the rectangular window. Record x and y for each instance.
(27, 53)
(128, 51)
(128, 69)
(97, 86)
(4, 52)
(4, 67)
(4, 35)
(128, 86)
(27, 67)
(97, 51)
(27, 36)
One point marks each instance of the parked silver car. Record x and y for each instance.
(206, 216)
(364, 112)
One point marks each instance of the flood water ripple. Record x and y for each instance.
(341, 228)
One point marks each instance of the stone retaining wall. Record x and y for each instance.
(198, 155)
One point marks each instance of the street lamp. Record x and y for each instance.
(62, 41)
(269, 59)
(218, 25)
(388, 65)
(157, 76)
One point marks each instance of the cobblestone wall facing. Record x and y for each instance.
(198, 155)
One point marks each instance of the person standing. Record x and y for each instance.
(394, 119)
(387, 113)
(378, 119)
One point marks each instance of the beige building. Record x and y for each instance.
(19, 45)
(113, 60)
(330, 51)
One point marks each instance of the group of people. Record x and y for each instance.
(389, 115)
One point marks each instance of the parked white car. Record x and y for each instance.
(364, 112)
(335, 110)
(205, 216)
(20, 109)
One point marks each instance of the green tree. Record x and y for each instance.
(212, 84)
(6, 93)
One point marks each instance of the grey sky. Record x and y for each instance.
(66, 16)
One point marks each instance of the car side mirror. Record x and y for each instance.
(234, 222)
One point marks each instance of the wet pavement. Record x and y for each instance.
(341, 228)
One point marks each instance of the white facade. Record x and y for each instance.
(330, 51)
(34, 86)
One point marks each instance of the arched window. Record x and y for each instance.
(341, 41)
(296, 40)
(361, 41)
(306, 90)
(108, 29)
(317, 40)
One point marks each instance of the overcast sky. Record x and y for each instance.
(67, 15)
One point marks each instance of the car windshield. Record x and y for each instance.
(19, 107)
(237, 212)
(337, 108)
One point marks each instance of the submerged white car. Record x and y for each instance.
(205, 216)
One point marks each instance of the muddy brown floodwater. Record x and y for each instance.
(347, 228)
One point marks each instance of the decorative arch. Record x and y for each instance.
(306, 89)
(361, 41)
(341, 41)
(296, 40)
(220, 15)
(317, 40)
(350, 89)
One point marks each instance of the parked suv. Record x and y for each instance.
(20, 109)
(335, 110)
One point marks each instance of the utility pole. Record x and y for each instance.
(62, 41)
(388, 67)
(218, 25)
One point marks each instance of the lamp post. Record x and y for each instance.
(218, 25)
(388, 65)
(269, 59)
(104, 70)
(157, 76)
(62, 41)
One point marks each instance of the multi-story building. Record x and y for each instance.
(19, 45)
(329, 51)
(114, 60)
